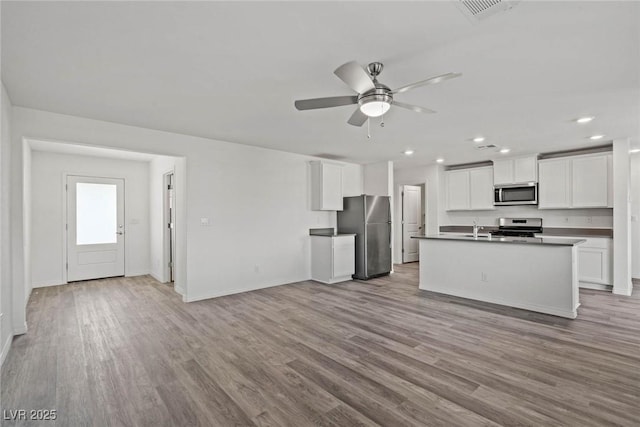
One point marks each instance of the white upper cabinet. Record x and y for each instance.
(458, 190)
(576, 182)
(326, 186)
(590, 182)
(515, 171)
(481, 184)
(554, 185)
(470, 189)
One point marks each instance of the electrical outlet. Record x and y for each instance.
(483, 277)
(566, 219)
(204, 222)
(589, 220)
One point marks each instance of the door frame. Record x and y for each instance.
(397, 228)
(65, 193)
(166, 235)
(421, 203)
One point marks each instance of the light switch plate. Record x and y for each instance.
(204, 221)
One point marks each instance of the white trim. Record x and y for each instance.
(166, 232)
(136, 273)
(217, 294)
(5, 349)
(20, 330)
(153, 274)
(596, 286)
(47, 283)
(532, 307)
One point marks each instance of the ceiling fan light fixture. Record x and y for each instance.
(375, 105)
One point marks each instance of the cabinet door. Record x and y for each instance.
(502, 172)
(458, 190)
(344, 256)
(554, 188)
(590, 182)
(481, 188)
(593, 265)
(525, 169)
(332, 187)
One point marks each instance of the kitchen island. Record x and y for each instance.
(537, 274)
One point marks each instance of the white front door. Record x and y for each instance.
(411, 197)
(95, 228)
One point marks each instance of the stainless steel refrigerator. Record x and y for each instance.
(369, 217)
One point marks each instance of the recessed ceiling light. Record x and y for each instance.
(585, 119)
(408, 152)
(635, 150)
(505, 150)
(596, 137)
(440, 160)
(478, 139)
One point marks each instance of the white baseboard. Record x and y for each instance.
(5, 349)
(47, 283)
(136, 273)
(555, 311)
(19, 330)
(217, 294)
(596, 286)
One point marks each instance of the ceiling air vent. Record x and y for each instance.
(477, 10)
(484, 147)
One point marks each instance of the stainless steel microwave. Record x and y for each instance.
(516, 194)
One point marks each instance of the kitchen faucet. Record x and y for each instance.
(475, 229)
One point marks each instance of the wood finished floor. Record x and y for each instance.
(129, 352)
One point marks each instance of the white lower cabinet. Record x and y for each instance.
(333, 258)
(595, 261)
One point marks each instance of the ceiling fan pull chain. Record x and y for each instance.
(368, 129)
(382, 121)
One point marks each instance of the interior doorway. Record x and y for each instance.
(412, 221)
(170, 229)
(95, 227)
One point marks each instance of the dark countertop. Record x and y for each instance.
(550, 231)
(512, 240)
(327, 232)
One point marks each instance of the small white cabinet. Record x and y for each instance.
(326, 186)
(515, 171)
(333, 258)
(470, 189)
(576, 182)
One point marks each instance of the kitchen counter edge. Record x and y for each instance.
(512, 240)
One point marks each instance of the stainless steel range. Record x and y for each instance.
(518, 227)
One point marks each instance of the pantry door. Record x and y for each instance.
(95, 227)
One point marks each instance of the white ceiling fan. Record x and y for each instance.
(374, 98)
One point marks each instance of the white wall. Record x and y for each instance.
(257, 201)
(378, 179)
(6, 294)
(158, 167)
(48, 211)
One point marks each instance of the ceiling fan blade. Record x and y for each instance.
(332, 101)
(414, 107)
(355, 77)
(358, 118)
(430, 81)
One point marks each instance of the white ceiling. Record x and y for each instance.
(231, 71)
